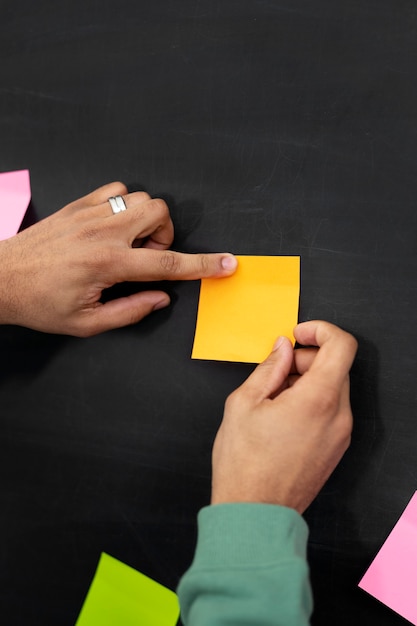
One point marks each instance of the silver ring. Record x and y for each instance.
(117, 204)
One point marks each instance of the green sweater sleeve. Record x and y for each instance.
(249, 568)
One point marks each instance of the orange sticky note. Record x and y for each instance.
(240, 317)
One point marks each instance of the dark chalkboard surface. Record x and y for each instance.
(270, 128)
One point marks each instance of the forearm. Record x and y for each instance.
(249, 568)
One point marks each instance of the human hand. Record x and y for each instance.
(52, 274)
(287, 427)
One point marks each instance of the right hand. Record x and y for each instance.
(287, 427)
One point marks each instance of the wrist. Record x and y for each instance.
(8, 279)
(251, 529)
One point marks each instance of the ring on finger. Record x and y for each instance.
(117, 204)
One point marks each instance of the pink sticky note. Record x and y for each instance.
(14, 200)
(392, 576)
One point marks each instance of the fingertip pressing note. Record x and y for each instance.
(239, 317)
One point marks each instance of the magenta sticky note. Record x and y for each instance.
(392, 576)
(14, 201)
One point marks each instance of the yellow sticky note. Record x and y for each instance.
(240, 317)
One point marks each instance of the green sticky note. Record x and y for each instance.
(120, 595)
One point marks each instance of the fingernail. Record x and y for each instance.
(229, 263)
(278, 343)
(161, 304)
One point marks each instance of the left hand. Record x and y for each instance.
(52, 274)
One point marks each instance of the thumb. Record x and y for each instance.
(266, 380)
(124, 311)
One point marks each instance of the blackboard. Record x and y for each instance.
(269, 127)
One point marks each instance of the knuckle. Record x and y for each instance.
(159, 208)
(133, 318)
(140, 213)
(137, 198)
(144, 196)
(233, 401)
(347, 440)
(326, 404)
(170, 262)
(351, 344)
(204, 263)
(118, 188)
(344, 429)
(349, 341)
(242, 399)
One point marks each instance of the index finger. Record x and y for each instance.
(145, 264)
(337, 349)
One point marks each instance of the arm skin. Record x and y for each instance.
(283, 433)
(52, 274)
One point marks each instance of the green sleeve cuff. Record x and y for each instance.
(242, 535)
(249, 568)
